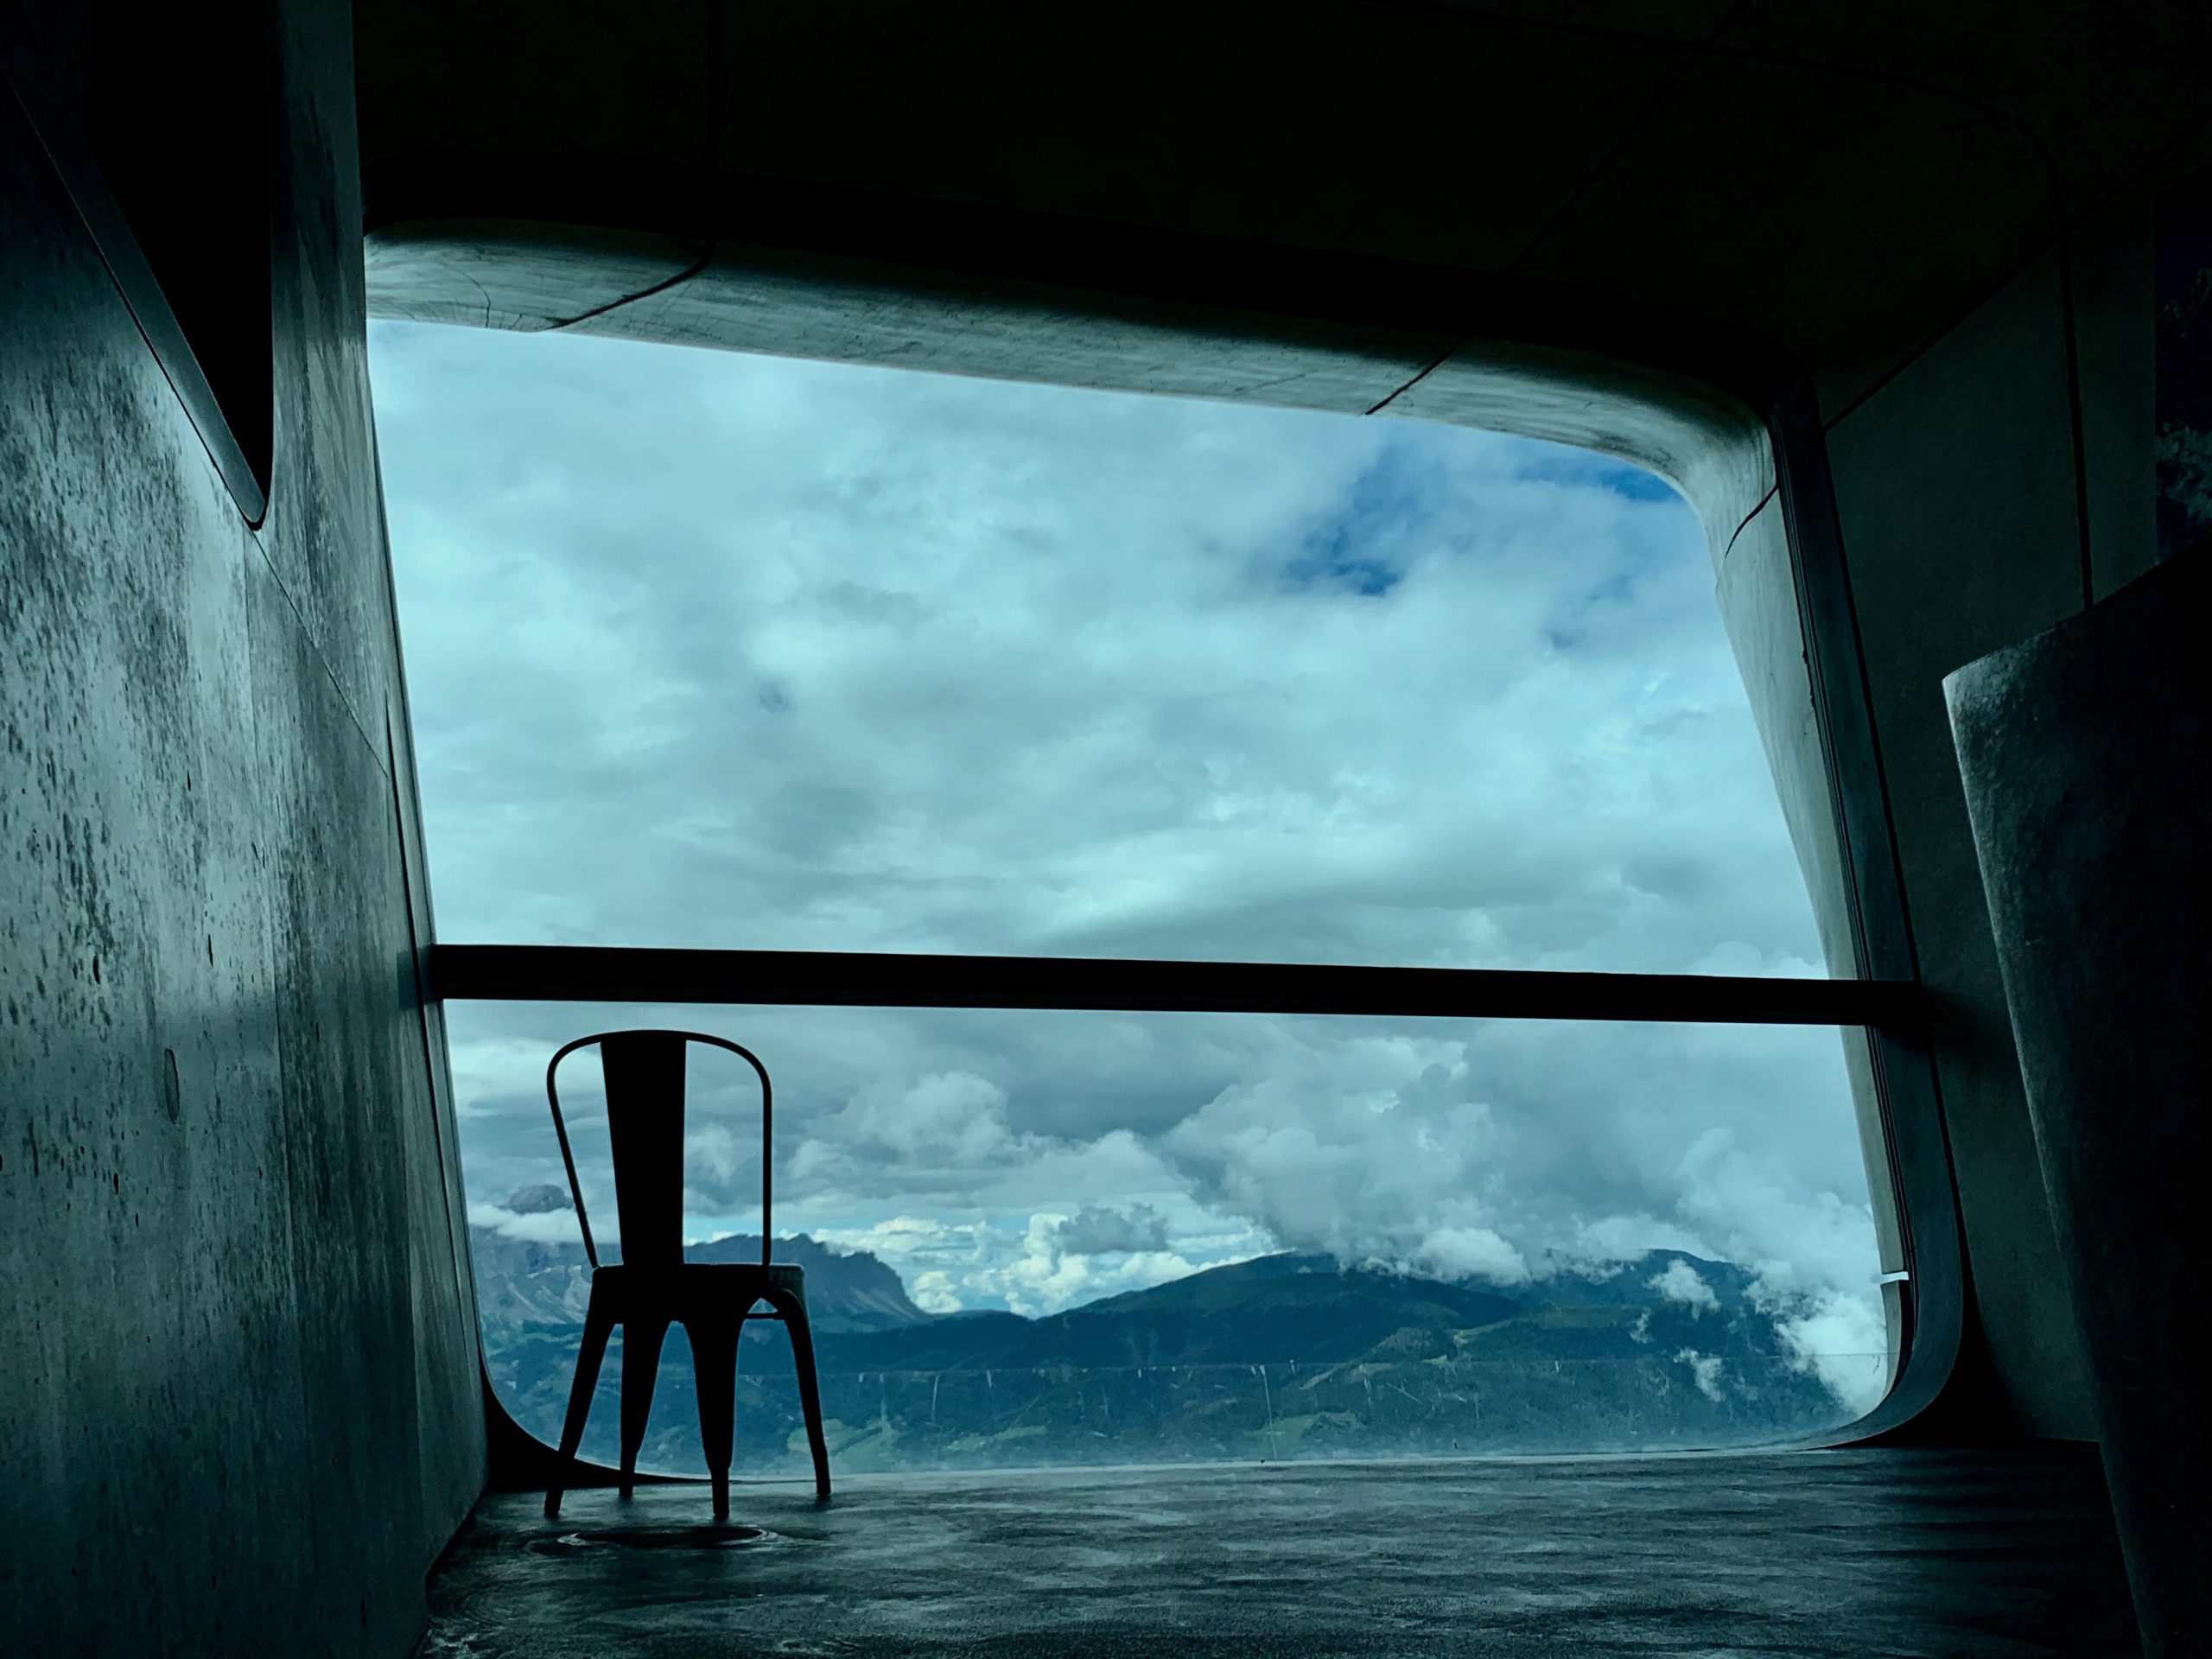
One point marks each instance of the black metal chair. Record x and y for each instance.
(653, 1286)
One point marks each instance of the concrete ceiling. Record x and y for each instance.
(1652, 183)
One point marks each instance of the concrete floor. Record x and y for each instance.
(1948, 1555)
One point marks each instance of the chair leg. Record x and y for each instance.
(713, 1363)
(599, 1323)
(641, 1344)
(793, 1309)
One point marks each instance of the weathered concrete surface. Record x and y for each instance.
(2086, 756)
(239, 1412)
(1956, 491)
(1954, 1555)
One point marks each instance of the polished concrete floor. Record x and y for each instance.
(1953, 1555)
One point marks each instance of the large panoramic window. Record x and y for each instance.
(742, 654)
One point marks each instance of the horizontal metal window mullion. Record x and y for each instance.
(891, 979)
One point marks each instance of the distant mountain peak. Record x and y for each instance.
(523, 1282)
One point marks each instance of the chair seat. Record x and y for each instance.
(695, 1282)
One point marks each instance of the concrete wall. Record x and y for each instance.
(1954, 485)
(1996, 484)
(241, 1394)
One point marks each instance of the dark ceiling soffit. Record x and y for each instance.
(556, 973)
(47, 111)
(914, 243)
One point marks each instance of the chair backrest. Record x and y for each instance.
(644, 1123)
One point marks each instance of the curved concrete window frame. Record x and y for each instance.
(823, 272)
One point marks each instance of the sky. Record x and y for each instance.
(711, 650)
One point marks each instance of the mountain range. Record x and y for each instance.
(1285, 1356)
(520, 1281)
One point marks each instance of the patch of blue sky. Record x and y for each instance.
(1642, 555)
(1365, 544)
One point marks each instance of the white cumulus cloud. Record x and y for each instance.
(1680, 1282)
(1705, 1371)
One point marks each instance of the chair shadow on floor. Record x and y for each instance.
(654, 1286)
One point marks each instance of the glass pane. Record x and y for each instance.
(1047, 1238)
(710, 650)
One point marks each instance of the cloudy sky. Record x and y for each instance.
(720, 651)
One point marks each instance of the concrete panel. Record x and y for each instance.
(2115, 364)
(147, 1251)
(2101, 83)
(472, 75)
(440, 1276)
(522, 276)
(323, 534)
(2101, 916)
(325, 540)
(1427, 132)
(1662, 20)
(1415, 133)
(332, 880)
(234, 1426)
(859, 311)
(1850, 221)
(1956, 489)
